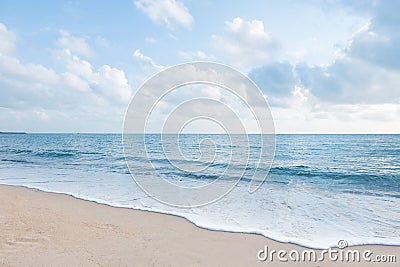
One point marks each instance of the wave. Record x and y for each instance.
(308, 172)
(54, 154)
(49, 153)
(17, 151)
(17, 160)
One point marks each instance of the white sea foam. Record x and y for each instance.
(292, 214)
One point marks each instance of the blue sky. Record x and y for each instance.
(324, 66)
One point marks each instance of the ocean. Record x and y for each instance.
(320, 188)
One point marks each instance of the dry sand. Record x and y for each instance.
(47, 229)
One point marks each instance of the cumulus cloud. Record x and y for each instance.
(75, 44)
(167, 12)
(367, 72)
(7, 40)
(245, 43)
(108, 78)
(107, 82)
(33, 92)
(358, 92)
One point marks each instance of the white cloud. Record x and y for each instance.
(77, 92)
(368, 69)
(246, 43)
(167, 12)
(7, 40)
(108, 83)
(306, 113)
(75, 44)
(226, 108)
(358, 92)
(147, 62)
(26, 85)
(365, 77)
(351, 81)
(12, 69)
(113, 84)
(73, 63)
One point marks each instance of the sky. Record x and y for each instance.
(323, 66)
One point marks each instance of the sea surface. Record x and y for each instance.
(320, 188)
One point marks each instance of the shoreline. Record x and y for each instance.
(56, 228)
(100, 202)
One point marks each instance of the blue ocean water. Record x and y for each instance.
(320, 189)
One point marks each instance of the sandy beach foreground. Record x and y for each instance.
(47, 229)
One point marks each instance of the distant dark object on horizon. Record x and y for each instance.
(12, 132)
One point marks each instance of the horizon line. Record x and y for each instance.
(283, 133)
